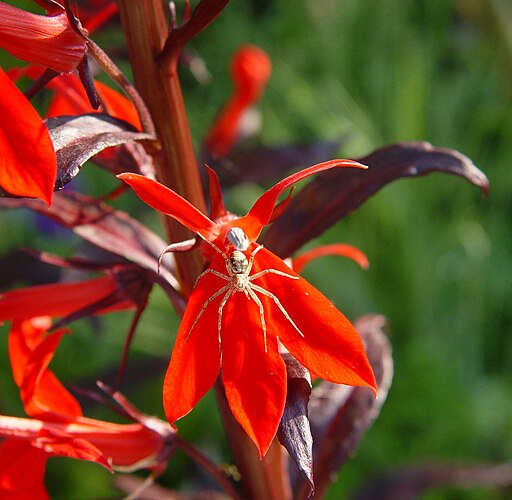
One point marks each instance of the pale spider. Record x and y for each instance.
(240, 280)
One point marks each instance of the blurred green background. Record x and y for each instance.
(371, 72)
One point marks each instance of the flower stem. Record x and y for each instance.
(145, 26)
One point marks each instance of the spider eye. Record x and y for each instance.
(238, 238)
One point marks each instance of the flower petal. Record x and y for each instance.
(261, 212)
(22, 471)
(30, 352)
(72, 447)
(330, 347)
(250, 71)
(165, 200)
(47, 40)
(254, 380)
(341, 249)
(28, 165)
(59, 299)
(217, 208)
(195, 360)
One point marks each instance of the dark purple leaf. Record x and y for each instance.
(107, 228)
(77, 138)
(332, 195)
(294, 432)
(339, 415)
(412, 481)
(263, 165)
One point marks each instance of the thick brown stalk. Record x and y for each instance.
(145, 26)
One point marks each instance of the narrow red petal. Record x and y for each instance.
(59, 299)
(217, 208)
(165, 200)
(118, 105)
(17, 458)
(250, 71)
(254, 380)
(30, 353)
(261, 212)
(72, 447)
(341, 249)
(28, 165)
(126, 445)
(330, 346)
(47, 40)
(195, 360)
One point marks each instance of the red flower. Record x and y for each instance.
(47, 40)
(70, 99)
(241, 332)
(58, 427)
(250, 71)
(28, 165)
(62, 299)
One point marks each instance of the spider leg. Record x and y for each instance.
(251, 258)
(212, 271)
(278, 304)
(262, 314)
(271, 271)
(221, 307)
(213, 245)
(205, 305)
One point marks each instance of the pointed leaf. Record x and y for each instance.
(414, 480)
(78, 138)
(27, 164)
(294, 432)
(333, 195)
(340, 416)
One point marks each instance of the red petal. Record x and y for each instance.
(165, 200)
(47, 40)
(341, 249)
(54, 300)
(22, 471)
(28, 165)
(30, 353)
(126, 445)
(217, 208)
(195, 361)
(72, 447)
(254, 380)
(331, 347)
(250, 70)
(260, 213)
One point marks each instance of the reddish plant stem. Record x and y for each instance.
(155, 74)
(145, 26)
(213, 469)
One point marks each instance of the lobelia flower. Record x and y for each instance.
(47, 40)
(57, 426)
(95, 296)
(250, 71)
(243, 307)
(28, 164)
